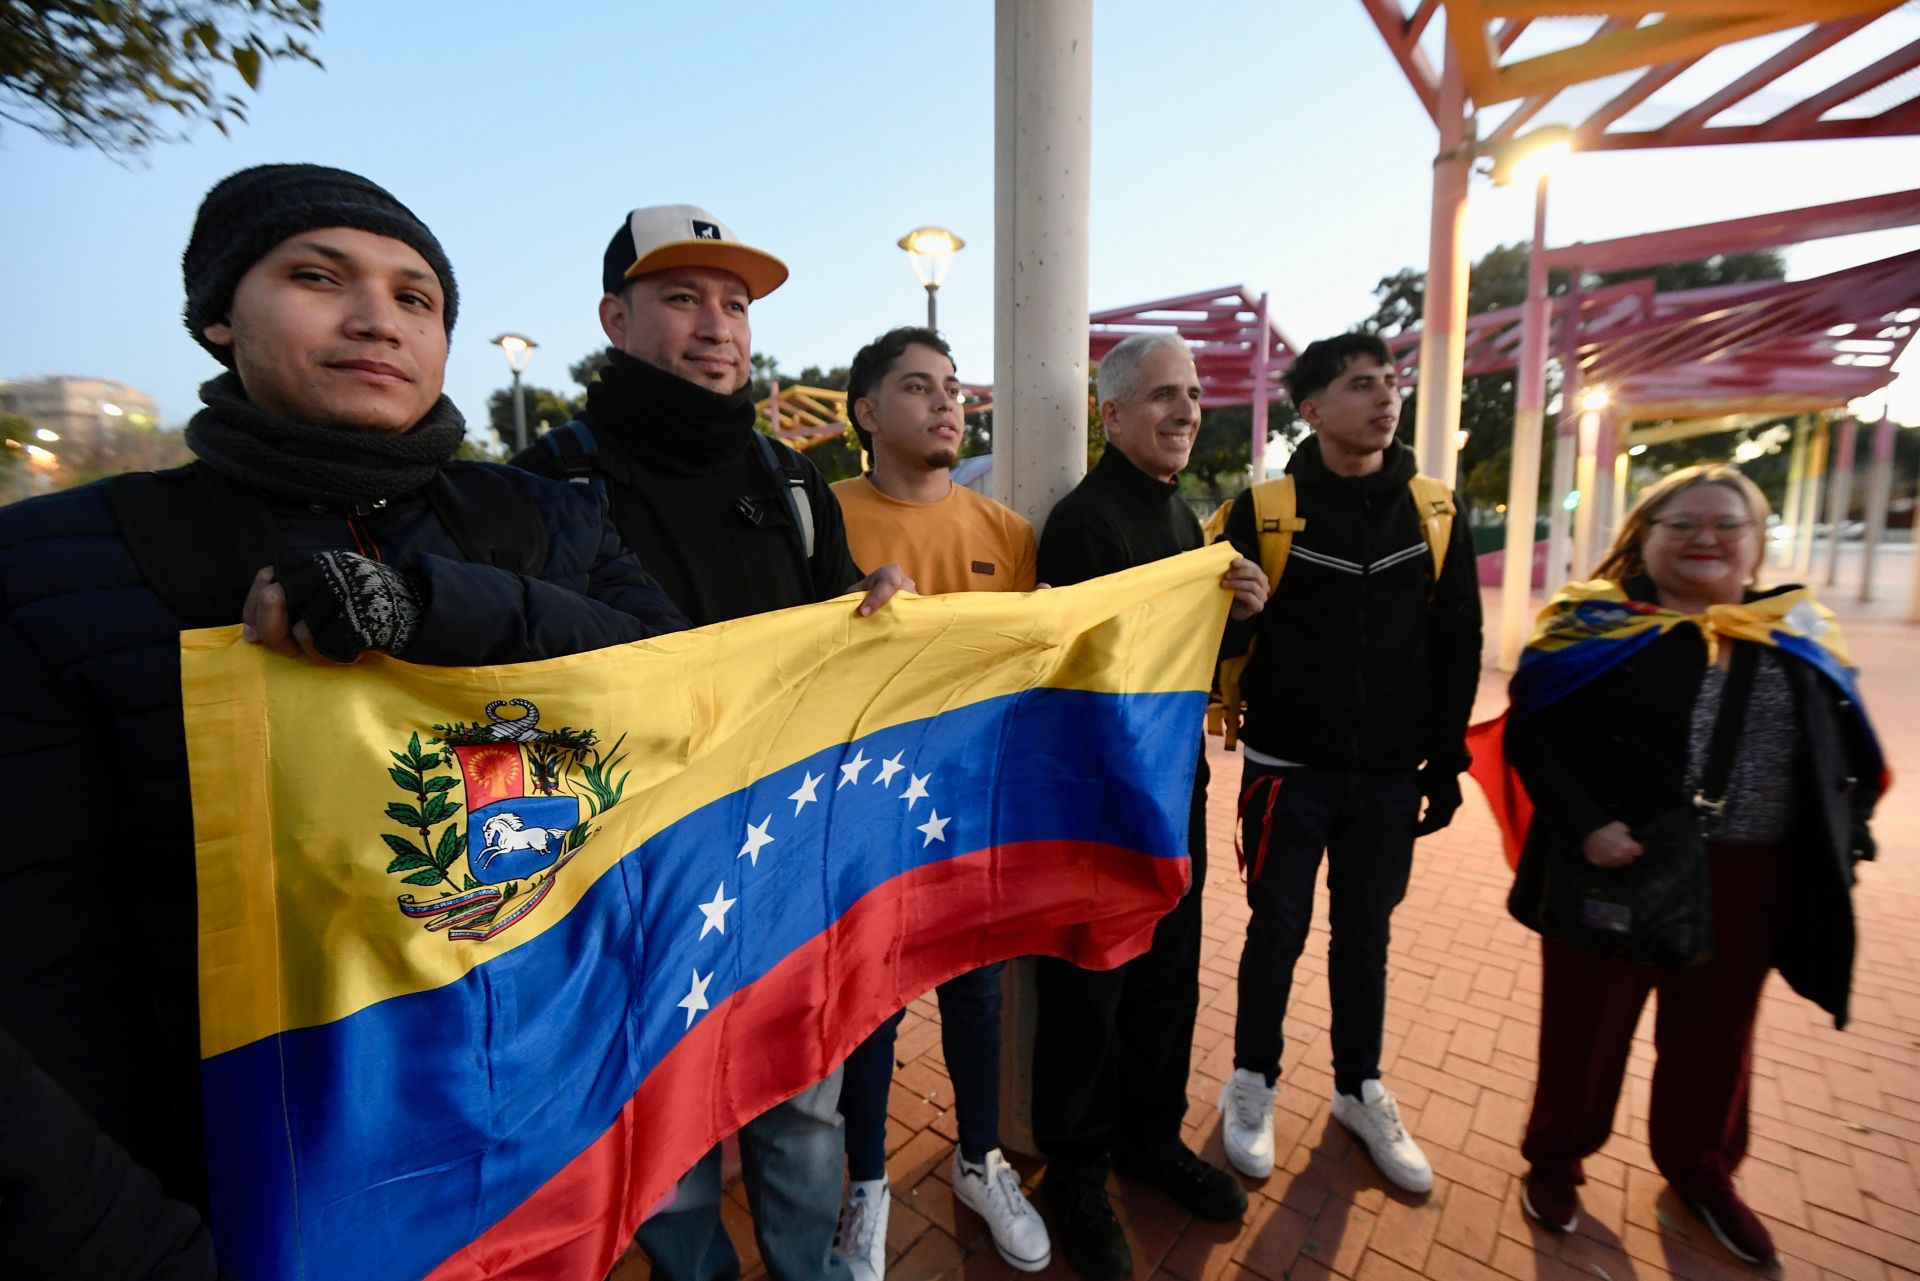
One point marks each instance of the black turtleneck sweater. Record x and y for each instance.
(695, 501)
(1365, 662)
(1117, 517)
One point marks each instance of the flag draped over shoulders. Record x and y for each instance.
(490, 956)
(1589, 628)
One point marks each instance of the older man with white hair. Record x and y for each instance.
(1113, 1047)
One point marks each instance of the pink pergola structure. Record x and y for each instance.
(1238, 350)
(1830, 69)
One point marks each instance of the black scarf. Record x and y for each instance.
(667, 423)
(346, 466)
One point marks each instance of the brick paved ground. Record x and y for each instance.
(1835, 1159)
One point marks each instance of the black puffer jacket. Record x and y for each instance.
(97, 905)
(1364, 662)
(1616, 750)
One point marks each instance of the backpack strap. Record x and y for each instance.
(490, 516)
(197, 537)
(789, 471)
(1434, 501)
(579, 453)
(1276, 519)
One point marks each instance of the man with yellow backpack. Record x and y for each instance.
(1357, 681)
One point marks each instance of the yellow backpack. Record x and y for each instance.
(1276, 519)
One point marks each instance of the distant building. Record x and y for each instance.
(83, 411)
(82, 428)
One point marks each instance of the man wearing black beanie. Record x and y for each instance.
(734, 523)
(326, 514)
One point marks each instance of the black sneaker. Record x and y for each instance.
(1085, 1229)
(1202, 1190)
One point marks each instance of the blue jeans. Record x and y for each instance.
(792, 1156)
(1363, 824)
(970, 1036)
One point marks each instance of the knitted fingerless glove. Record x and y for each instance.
(351, 603)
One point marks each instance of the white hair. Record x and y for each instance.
(1119, 375)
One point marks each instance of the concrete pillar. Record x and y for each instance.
(1443, 323)
(1879, 492)
(1042, 110)
(1565, 442)
(1523, 482)
(1617, 493)
(1583, 553)
(1839, 497)
(1606, 453)
(1785, 553)
(1811, 488)
(1042, 119)
(1257, 463)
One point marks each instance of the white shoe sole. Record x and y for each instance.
(1251, 1167)
(1526, 1203)
(1713, 1226)
(1419, 1183)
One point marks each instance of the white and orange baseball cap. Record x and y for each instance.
(662, 236)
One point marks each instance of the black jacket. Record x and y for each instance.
(696, 502)
(1118, 517)
(1364, 662)
(1616, 749)
(97, 913)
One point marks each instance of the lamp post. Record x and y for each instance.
(931, 249)
(518, 349)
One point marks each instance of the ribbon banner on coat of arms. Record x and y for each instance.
(489, 957)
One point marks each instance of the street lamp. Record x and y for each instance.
(932, 250)
(519, 352)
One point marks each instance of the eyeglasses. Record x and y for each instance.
(1687, 526)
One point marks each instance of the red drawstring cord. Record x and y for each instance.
(1273, 782)
(363, 538)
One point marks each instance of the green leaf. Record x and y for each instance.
(404, 814)
(452, 845)
(405, 779)
(468, 883)
(406, 862)
(247, 62)
(413, 744)
(440, 783)
(428, 877)
(440, 809)
(402, 846)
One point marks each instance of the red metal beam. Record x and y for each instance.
(1421, 77)
(1823, 37)
(1742, 235)
(1896, 63)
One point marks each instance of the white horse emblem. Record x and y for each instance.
(504, 833)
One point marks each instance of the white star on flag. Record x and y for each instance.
(804, 795)
(935, 828)
(757, 840)
(716, 911)
(696, 999)
(850, 772)
(889, 767)
(916, 789)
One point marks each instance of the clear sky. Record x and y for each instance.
(1234, 141)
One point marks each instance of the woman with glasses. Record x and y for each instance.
(1613, 726)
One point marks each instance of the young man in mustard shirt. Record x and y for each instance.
(905, 401)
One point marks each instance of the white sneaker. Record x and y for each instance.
(860, 1241)
(992, 1191)
(1246, 1122)
(1374, 1119)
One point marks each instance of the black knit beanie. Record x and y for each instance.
(250, 212)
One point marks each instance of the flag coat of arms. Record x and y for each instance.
(490, 956)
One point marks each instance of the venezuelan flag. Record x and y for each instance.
(490, 956)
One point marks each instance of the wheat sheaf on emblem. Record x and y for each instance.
(531, 798)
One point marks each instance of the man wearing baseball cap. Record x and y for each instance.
(325, 513)
(732, 522)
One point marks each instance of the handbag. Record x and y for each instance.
(1658, 909)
